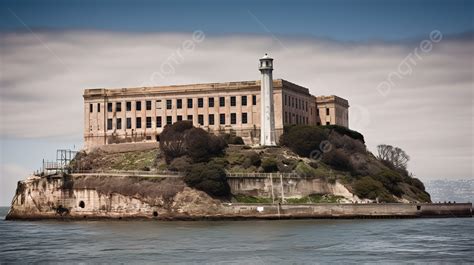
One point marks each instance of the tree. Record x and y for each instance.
(209, 177)
(181, 138)
(394, 155)
(172, 138)
(303, 139)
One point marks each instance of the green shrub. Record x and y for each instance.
(269, 165)
(346, 131)
(180, 164)
(251, 199)
(369, 188)
(303, 139)
(303, 170)
(208, 177)
(251, 159)
(390, 180)
(338, 159)
(233, 139)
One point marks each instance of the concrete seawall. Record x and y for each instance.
(333, 210)
(66, 198)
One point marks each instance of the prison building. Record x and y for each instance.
(140, 114)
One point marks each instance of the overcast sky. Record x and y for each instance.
(408, 76)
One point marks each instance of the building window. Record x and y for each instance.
(292, 102)
(138, 105)
(109, 107)
(285, 100)
(119, 124)
(148, 104)
(244, 118)
(286, 117)
(200, 102)
(190, 103)
(211, 119)
(201, 119)
(148, 122)
(179, 118)
(158, 121)
(190, 117)
(179, 103)
(306, 104)
(169, 120)
(328, 123)
(222, 119)
(109, 124)
(233, 118)
(211, 102)
(158, 104)
(244, 100)
(128, 106)
(91, 108)
(169, 104)
(98, 107)
(254, 100)
(138, 123)
(222, 101)
(118, 107)
(129, 123)
(233, 101)
(327, 111)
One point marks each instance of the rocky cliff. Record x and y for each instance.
(65, 196)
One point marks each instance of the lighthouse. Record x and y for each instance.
(267, 119)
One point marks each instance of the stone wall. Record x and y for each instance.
(261, 186)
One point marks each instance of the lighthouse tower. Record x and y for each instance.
(267, 119)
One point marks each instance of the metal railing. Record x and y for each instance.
(260, 175)
(154, 173)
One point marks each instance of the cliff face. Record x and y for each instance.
(85, 197)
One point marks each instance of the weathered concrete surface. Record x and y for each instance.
(292, 187)
(56, 197)
(349, 210)
(43, 198)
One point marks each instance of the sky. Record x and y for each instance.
(406, 67)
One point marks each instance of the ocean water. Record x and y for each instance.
(239, 242)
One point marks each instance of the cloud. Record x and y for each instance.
(428, 112)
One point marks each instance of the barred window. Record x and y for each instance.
(179, 103)
(158, 121)
(244, 100)
(222, 119)
(148, 105)
(233, 118)
(200, 102)
(244, 118)
(211, 119)
(211, 102)
(148, 122)
(233, 101)
(222, 101)
(138, 123)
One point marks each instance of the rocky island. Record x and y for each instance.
(315, 172)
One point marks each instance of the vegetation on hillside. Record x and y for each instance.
(331, 153)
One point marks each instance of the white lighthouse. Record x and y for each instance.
(267, 119)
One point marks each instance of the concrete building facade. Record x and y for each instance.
(140, 114)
